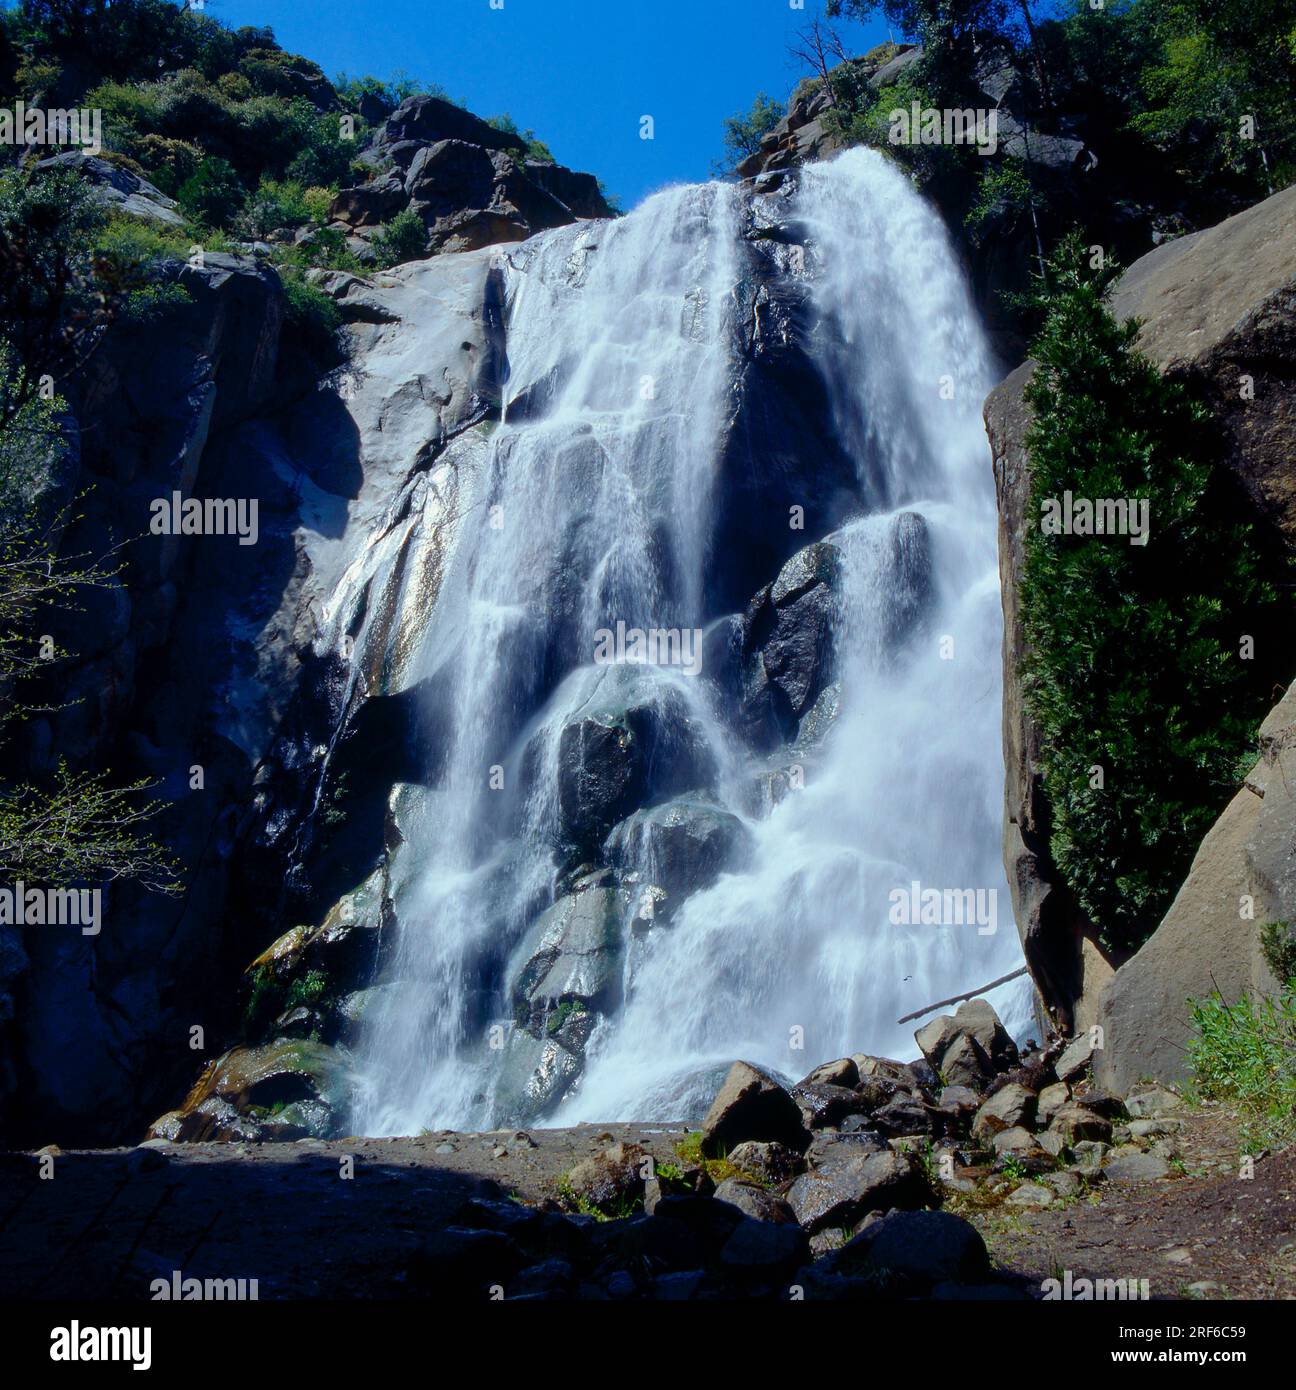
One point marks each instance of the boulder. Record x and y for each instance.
(611, 1180)
(286, 1089)
(1075, 1122)
(916, 1248)
(117, 188)
(772, 1163)
(1136, 1167)
(751, 1105)
(572, 955)
(765, 1248)
(843, 1072)
(825, 1107)
(680, 847)
(842, 1190)
(1203, 944)
(1008, 1108)
(755, 1203)
(633, 742)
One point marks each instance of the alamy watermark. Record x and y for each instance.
(178, 515)
(925, 125)
(654, 646)
(181, 1289)
(1073, 1290)
(945, 907)
(22, 905)
(1069, 515)
(34, 125)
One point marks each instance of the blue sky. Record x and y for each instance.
(580, 73)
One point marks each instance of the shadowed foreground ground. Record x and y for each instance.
(111, 1221)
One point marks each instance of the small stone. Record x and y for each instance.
(1205, 1288)
(1177, 1257)
(1051, 1100)
(1031, 1194)
(1076, 1058)
(1157, 1102)
(499, 1151)
(1065, 1184)
(1053, 1144)
(1136, 1167)
(1089, 1153)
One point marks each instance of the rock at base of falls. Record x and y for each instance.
(677, 848)
(288, 1089)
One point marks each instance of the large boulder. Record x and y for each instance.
(968, 1046)
(751, 1105)
(632, 742)
(917, 1247)
(118, 189)
(284, 1090)
(1204, 944)
(848, 1185)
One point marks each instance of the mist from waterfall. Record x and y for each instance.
(596, 505)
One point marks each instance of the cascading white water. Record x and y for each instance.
(597, 506)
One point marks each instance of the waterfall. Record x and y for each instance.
(598, 510)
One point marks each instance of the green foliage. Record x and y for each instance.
(743, 132)
(311, 318)
(404, 238)
(212, 193)
(81, 829)
(1133, 663)
(388, 95)
(1005, 192)
(1222, 87)
(151, 304)
(535, 149)
(1245, 1055)
(309, 989)
(1278, 946)
(51, 307)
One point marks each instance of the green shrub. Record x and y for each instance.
(153, 303)
(404, 238)
(1245, 1055)
(311, 319)
(1134, 667)
(1278, 946)
(212, 194)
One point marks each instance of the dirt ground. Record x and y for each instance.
(108, 1222)
(1205, 1233)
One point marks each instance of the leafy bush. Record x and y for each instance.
(404, 238)
(212, 193)
(311, 318)
(1134, 663)
(1278, 946)
(1245, 1055)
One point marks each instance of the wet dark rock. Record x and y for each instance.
(842, 1190)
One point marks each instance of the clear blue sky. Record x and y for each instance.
(580, 73)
